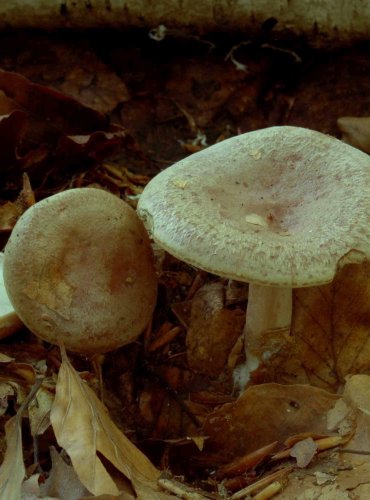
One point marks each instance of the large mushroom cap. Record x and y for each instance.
(78, 267)
(279, 206)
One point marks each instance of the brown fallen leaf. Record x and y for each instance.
(213, 330)
(356, 131)
(83, 428)
(45, 131)
(71, 68)
(266, 413)
(62, 113)
(330, 332)
(347, 470)
(11, 211)
(12, 130)
(356, 395)
(39, 411)
(9, 214)
(12, 470)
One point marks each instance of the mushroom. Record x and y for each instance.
(277, 208)
(78, 268)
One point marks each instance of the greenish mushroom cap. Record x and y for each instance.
(280, 206)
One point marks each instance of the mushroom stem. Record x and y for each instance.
(269, 315)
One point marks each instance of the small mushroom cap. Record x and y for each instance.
(279, 206)
(79, 268)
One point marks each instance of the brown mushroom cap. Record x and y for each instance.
(79, 268)
(279, 206)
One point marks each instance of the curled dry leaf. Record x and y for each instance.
(83, 428)
(43, 130)
(12, 470)
(39, 411)
(71, 68)
(266, 413)
(62, 113)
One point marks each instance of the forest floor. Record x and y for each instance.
(172, 95)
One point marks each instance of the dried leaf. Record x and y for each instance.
(83, 428)
(356, 394)
(330, 332)
(74, 70)
(349, 479)
(356, 131)
(6, 390)
(45, 131)
(53, 112)
(213, 330)
(24, 371)
(97, 145)
(31, 488)
(12, 470)
(9, 214)
(266, 413)
(306, 488)
(62, 482)
(39, 411)
(12, 131)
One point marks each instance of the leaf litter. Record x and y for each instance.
(302, 431)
